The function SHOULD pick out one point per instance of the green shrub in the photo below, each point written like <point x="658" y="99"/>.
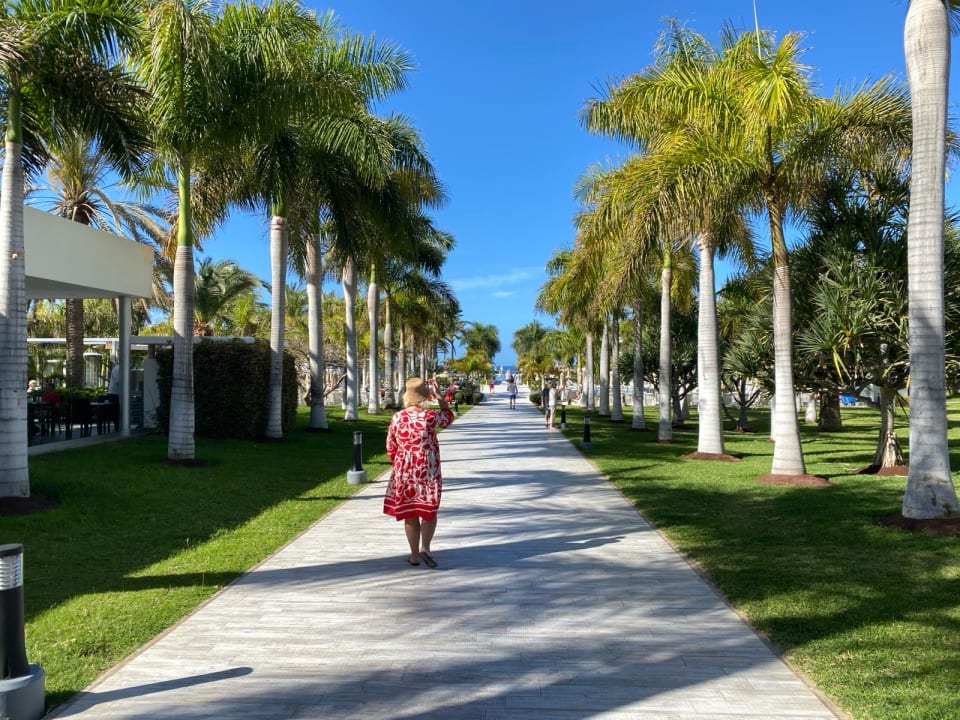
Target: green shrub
<point x="230" y="387"/>
<point x="535" y="397"/>
<point x="69" y="393"/>
<point x="477" y="398"/>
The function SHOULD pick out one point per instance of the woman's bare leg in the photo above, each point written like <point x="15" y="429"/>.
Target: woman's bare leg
<point x="427" y="528"/>
<point x="412" y="528"/>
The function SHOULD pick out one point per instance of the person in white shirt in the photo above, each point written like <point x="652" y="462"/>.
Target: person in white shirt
<point x="551" y="402"/>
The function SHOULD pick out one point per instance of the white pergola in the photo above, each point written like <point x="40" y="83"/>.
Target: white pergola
<point x="64" y="259"/>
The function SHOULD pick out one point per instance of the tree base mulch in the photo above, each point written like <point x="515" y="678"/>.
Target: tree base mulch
<point x="318" y="430"/>
<point x="945" y="526"/>
<point x="25" y="505"/>
<point x="720" y="457"/>
<point x="898" y="470"/>
<point x="795" y="480"/>
<point x="664" y="442"/>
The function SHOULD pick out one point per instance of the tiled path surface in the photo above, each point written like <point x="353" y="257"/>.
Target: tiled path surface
<point x="554" y="600"/>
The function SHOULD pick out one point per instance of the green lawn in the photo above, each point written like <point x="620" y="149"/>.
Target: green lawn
<point x="135" y="544"/>
<point x="871" y="615"/>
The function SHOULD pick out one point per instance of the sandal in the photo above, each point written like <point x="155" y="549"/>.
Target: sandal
<point x="412" y="563"/>
<point x="428" y="559"/>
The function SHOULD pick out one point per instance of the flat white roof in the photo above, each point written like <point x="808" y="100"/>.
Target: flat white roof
<point x="65" y="259"/>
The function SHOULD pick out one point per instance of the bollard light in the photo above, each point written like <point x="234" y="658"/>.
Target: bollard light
<point x="563" y="417"/>
<point x="357" y="475"/>
<point x="12" y="648"/>
<point x="586" y="433"/>
<point x="22" y="685"/>
<point x="357" y="450"/>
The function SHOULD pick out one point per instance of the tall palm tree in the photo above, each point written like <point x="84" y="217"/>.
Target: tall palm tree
<point x="926" y="37"/>
<point x="81" y="187"/>
<point x="313" y="73"/>
<point x="59" y="71"/>
<point x="754" y="124"/>
<point x="406" y="236"/>
<point x="698" y="208"/>
<point x="568" y="293"/>
<point x="182" y="63"/>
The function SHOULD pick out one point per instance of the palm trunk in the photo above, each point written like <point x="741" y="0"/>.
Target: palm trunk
<point x="603" y="406"/>
<point x="830" y="419"/>
<point x="926" y="37"/>
<point x="278" y="279"/>
<point x="616" y="412"/>
<point x="589" y="382"/>
<point x="888" y="453"/>
<point x="664" y="424"/>
<point x="710" y="411"/>
<point x="352" y="388"/>
<point x="14" y="472"/>
<point x="373" y="372"/>
<point x="318" y="412"/>
<point x="638" y="422"/>
<point x="401" y="367"/>
<point x="181" y="444"/>
<point x="787" y="454"/>
<point x="388" y="350"/>
<point x="74" y="336"/>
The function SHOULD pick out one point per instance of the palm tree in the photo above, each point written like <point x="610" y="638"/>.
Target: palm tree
<point x="313" y="73"/>
<point x="926" y="37"/>
<point x="80" y="188"/>
<point x="698" y="208"/>
<point x="568" y="293"/>
<point x="182" y="64"/>
<point x="219" y="285"/>
<point x="58" y="72"/>
<point x="482" y="338"/>
<point x="753" y="123"/>
<point x="628" y="223"/>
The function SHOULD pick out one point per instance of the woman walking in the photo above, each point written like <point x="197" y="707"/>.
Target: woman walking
<point x="413" y="492"/>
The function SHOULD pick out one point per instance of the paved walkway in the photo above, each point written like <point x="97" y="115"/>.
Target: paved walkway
<point x="554" y="600"/>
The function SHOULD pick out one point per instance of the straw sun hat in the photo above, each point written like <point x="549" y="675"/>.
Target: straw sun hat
<point x="416" y="392"/>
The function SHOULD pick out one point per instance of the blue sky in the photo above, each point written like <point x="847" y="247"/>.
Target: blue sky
<point x="496" y="91"/>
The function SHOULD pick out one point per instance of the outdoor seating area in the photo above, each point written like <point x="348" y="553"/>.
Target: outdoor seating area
<point x="49" y="422"/>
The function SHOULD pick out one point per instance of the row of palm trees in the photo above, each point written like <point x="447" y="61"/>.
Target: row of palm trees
<point x="729" y="132"/>
<point x="262" y="107"/>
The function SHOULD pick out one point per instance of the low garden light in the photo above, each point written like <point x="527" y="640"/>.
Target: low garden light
<point x="22" y="684"/>
<point x="357" y="475"/>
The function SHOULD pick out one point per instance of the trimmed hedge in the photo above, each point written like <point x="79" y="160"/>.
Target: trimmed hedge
<point x="230" y="385"/>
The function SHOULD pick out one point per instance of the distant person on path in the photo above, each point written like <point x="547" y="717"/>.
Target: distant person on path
<point x="512" y="392"/>
<point x="491" y="384"/>
<point x="413" y="492"/>
<point x="551" y="401"/>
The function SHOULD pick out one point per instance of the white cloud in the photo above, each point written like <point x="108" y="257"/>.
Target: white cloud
<point x="489" y="282"/>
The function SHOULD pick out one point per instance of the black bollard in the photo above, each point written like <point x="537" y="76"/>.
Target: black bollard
<point x="357" y="475"/>
<point x="563" y="417"/>
<point x="12" y="648"/>
<point x="456" y="406"/>
<point x="357" y="451"/>
<point x="586" y="433"/>
<point x="22" y="686"/>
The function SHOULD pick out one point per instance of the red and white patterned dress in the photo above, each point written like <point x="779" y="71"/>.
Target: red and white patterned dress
<point x="415" y="484"/>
